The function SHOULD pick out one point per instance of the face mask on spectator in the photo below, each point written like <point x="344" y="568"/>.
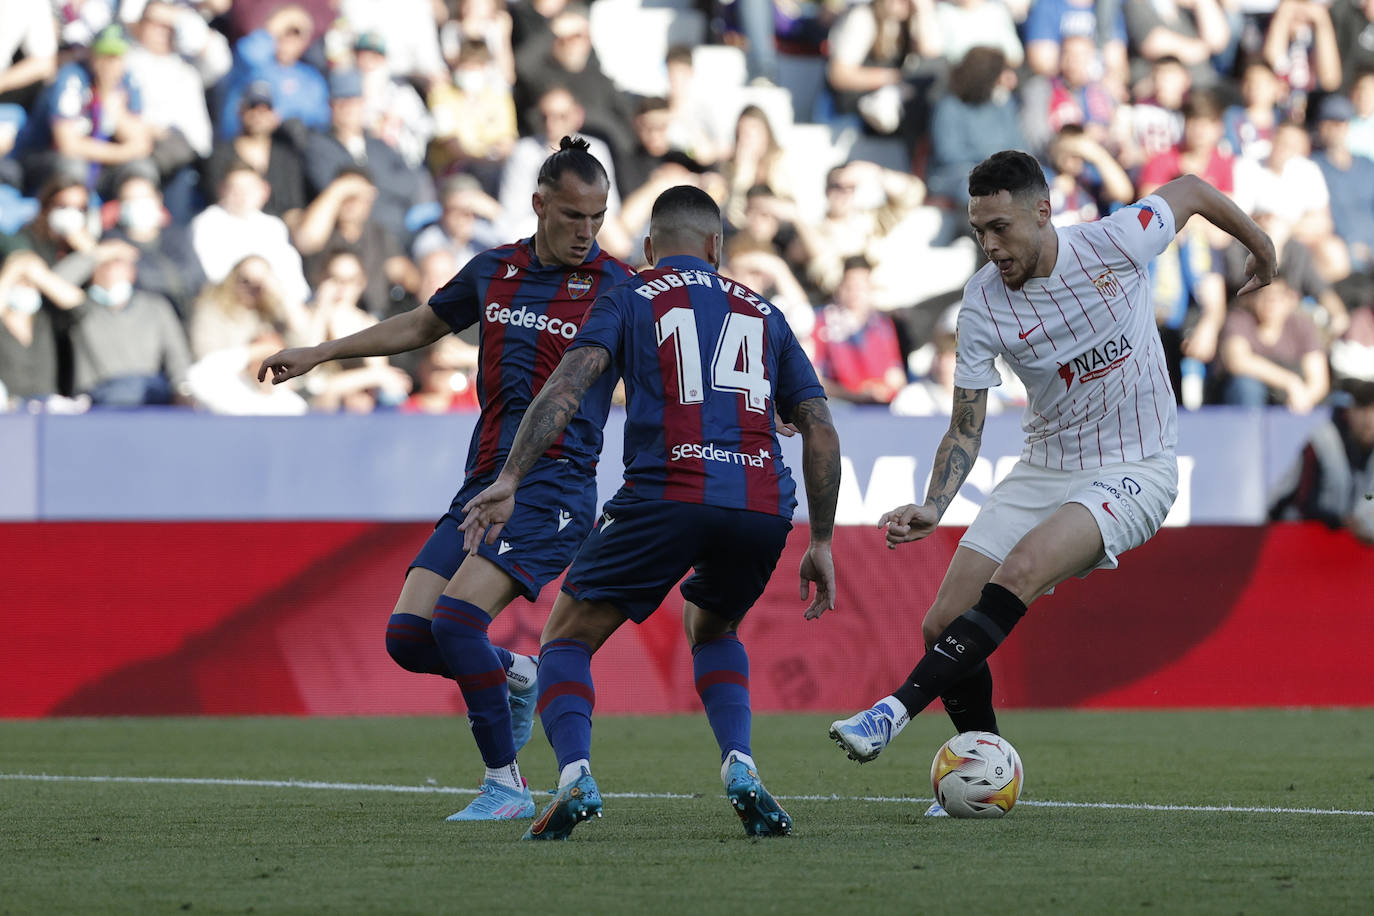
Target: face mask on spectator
<point x="65" y="220"/>
<point x="24" y="299"/>
<point x="469" y="80"/>
<point x="117" y="295"/>
<point x="140" y="213"/>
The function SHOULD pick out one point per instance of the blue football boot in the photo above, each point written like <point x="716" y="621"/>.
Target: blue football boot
<point x="757" y="810"/>
<point x="574" y="803"/>
<point x="495" y="802"/>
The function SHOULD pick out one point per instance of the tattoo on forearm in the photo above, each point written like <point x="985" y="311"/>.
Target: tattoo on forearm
<point x="820" y="464"/>
<point x="555" y="405"/>
<point x="954" y="458"/>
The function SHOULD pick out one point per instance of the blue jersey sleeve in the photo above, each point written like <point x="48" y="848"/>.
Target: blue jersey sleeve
<point x="796" y="378"/>
<point x="604" y="327"/>
<point x="457" y="301"/>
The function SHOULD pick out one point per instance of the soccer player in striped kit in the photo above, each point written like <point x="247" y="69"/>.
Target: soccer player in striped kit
<point x="705" y="363"/>
<point x="1070" y="311"/>
<point x="529" y="300"/>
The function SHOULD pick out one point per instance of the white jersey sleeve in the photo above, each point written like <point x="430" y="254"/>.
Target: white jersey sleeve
<point x="1140" y="232"/>
<point x="978" y="345"/>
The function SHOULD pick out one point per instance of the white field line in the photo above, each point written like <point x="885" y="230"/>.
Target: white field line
<point x="453" y="790"/>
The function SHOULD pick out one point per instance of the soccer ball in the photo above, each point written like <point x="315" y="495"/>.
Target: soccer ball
<point x="977" y="774"/>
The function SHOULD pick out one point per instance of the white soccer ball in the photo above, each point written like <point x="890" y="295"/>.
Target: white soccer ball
<point x="977" y="774"/>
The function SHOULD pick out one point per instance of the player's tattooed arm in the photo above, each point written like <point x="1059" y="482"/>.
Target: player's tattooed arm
<point x="954" y="458"/>
<point x="553" y="408"/>
<point x="820" y="464"/>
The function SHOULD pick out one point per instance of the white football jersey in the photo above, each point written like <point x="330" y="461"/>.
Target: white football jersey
<point x="1083" y="341"/>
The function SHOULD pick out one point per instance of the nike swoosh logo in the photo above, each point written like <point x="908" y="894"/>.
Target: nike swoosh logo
<point x="944" y="653"/>
<point x="511" y="270"/>
<point x="1024" y="334"/>
<point x="505" y="545"/>
<point x="1110" y="512"/>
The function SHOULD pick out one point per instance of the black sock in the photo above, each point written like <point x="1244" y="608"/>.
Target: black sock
<point x="963" y="646"/>
<point x="968" y="702"/>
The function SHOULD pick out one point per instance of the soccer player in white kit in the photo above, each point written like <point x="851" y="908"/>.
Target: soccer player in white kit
<point x="1070" y="311"/>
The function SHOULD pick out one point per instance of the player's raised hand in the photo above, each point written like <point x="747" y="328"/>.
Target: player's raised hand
<point x="818" y="567"/>
<point x="287" y="364"/>
<point x="487" y="513"/>
<point x="1259" y="271"/>
<point x="908" y="523"/>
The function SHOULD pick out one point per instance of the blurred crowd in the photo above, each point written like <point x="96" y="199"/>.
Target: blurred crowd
<point x="189" y="185"/>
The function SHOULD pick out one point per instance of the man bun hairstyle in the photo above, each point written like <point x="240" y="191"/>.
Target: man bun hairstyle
<point x="1009" y="170"/>
<point x="574" y="155"/>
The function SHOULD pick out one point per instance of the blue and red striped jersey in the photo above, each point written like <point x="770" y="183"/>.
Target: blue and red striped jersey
<point x="705" y="361"/>
<point x="529" y="313"/>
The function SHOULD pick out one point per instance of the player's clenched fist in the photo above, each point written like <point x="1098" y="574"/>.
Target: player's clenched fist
<point x="908" y="523"/>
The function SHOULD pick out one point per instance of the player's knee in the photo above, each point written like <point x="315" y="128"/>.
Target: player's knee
<point x="1020" y="573"/>
<point x="702" y="625"/>
<point x="411" y="646"/>
<point x="936" y="620"/>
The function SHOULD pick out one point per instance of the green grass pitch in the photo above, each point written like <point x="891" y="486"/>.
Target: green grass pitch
<point x="1234" y="815"/>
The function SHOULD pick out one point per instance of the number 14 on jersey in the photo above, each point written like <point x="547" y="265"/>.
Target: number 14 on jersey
<point x="738" y="365"/>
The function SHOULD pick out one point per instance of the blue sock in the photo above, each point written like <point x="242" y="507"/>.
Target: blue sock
<point x="721" y="670"/>
<point x="411" y="644"/>
<point x="460" y="629"/>
<point x="506" y="657"/>
<point x="566" y="697"/>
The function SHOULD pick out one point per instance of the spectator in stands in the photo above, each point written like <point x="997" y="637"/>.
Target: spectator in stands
<point x="857" y="354"/>
<point x="343" y="218"/>
<point x="932" y="393"/>
<point x="486" y="24"/>
<point x="354" y="386"/>
<point x="1352" y="206"/>
<point x="1298" y="269"/>
<point x="1086" y="183"/>
<point x="167" y="263"/>
<point x="1289" y="184"/>
<point x="1199" y="152"/>
<point x="28" y="28"/>
<point x="474" y="120"/>
<point x="466" y="224"/>
<point x="1333" y="477"/>
<point x="272" y="54"/>
<point x="880" y="63"/>
<point x="1250" y="126"/>
<point x="1353" y="21"/>
<point x="392" y="109"/>
<point x="691" y="114"/>
<point x="446" y="379"/>
<point x="62" y="224"/>
<point x="758" y="267"/>
<point x="570" y="62"/>
<point x="1189" y="294"/>
<point x="756" y="159"/>
<point x="407" y="31"/>
<point x="1076" y="97"/>
<point x="651" y="147"/>
<point x="90" y="115"/>
<point x="263" y="145"/>
<point x="967" y="24"/>
<point x="1361" y="137"/>
<point x="1049" y="23"/>
<point x="1193" y="32"/>
<point x="1272" y="353"/>
<point x="128" y="346"/>
<point x="1301" y="46"/>
<point x="80" y="21"/>
<point x="29" y="327"/>
<point x="1352" y="356"/>
<point x="1155" y="117"/>
<point x="348" y="144"/>
<point x="172" y="87"/>
<point x="235" y="226"/>
<point x="243" y="307"/>
<point x="770" y="221"/>
<point x="559" y="115"/>
<point x="974" y="120"/>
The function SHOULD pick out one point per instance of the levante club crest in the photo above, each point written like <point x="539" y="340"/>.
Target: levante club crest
<point x="578" y="284"/>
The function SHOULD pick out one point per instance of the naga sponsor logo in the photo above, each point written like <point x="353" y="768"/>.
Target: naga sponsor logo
<point x="1107" y="284"/>
<point x="1097" y="362"/>
<point x="524" y="318"/>
<point x="685" y="450"/>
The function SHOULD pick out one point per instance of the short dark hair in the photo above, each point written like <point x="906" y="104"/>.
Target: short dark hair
<point x="651" y="103"/>
<point x="1202" y="103"/>
<point x="574" y="155"/>
<point x="679" y="54"/>
<point x="1009" y="170"/>
<point x="682" y="208"/>
<point x="856" y="262"/>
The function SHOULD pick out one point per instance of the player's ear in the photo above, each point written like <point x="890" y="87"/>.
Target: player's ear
<point x="713" y="249"/>
<point x="649" y="250"/>
<point x="1043" y="211"/>
<point x="537" y="202"/>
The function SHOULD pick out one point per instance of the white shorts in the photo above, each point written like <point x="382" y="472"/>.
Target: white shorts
<point x="1129" y="501"/>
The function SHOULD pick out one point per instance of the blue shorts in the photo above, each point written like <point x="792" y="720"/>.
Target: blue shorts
<point x="641" y="547"/>
<point x="554" y="510"/>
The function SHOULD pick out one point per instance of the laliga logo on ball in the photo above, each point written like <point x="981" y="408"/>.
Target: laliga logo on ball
<point x="977" y="774"/>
